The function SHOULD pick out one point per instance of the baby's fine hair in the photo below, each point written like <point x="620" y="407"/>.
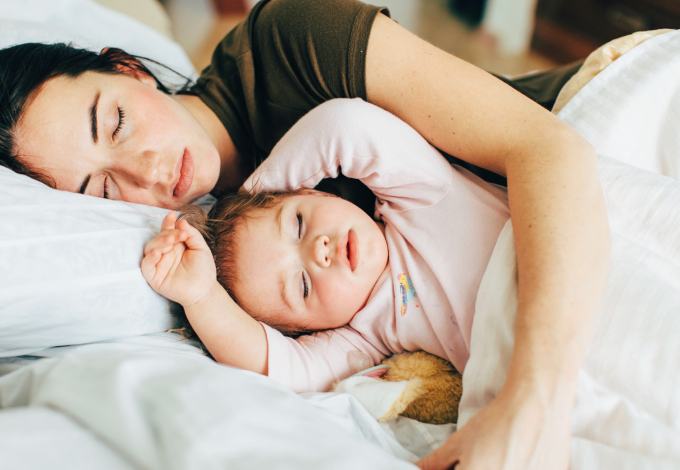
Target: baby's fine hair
<point x="219" y="229"/>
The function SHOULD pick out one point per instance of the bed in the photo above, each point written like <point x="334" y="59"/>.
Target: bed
<point x="90" y="377"/>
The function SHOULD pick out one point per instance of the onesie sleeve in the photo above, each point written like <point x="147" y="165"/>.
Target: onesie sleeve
<point x="312" y="363"/>
<point x="362" y="141"/>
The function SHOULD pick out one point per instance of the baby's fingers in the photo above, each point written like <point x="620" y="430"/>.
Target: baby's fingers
<point x="165" y="267"/>
<point x="164" y="241"/>
<point x="169" y="221"/>
<point x="194" y="240"/>
<point x="149" y="266"/>
<point x="157" y="266"/>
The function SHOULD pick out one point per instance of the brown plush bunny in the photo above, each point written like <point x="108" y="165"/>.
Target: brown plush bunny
<point x="416" y="385"/>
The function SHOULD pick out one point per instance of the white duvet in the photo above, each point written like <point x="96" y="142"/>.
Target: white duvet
<point x="155" y="402"/>
<point x="627" y="412"/>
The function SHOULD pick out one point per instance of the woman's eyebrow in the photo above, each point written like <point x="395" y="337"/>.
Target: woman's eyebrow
<point x="93" y="117"/>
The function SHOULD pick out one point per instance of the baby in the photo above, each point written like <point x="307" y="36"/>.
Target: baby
<point x="290" y="261"/>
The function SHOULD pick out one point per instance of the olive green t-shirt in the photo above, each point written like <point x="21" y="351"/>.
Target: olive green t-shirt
<point x="289" y="56"/>
<point x="286" y="58"/>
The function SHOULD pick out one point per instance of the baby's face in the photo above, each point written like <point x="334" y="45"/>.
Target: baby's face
<point x="310" y="262"/>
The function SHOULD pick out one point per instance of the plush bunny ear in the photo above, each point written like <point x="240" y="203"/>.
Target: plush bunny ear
<point x="383" y="400"/>
<point x="374" y="372"/>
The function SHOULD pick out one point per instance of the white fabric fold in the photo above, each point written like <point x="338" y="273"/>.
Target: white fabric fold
<point x="375" y="395"/>
<point x="631" y="110"/>
<point x="627" y="412"/>
<point x="161" y="405"/>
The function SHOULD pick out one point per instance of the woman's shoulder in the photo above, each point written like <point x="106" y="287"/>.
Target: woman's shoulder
<point x="284" y="59"/>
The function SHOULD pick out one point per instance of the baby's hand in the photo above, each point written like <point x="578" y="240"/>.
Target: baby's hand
<point x="178" y="263"/>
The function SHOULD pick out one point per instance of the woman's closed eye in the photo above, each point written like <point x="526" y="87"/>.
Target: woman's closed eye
<point x="121" y="121"/>
<point x="107" y="189"/>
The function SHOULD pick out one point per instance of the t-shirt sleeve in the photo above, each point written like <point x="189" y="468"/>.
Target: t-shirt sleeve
<point x="361" y="141"/>
<point x="286" y="58"/>
<point x="312" y="363"/>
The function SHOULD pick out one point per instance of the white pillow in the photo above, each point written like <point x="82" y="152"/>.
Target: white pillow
<point x="91" y="26"/>
<point x="69" y="264"/>
<point x="69" y="268"/>
<point x="631" y="110"/>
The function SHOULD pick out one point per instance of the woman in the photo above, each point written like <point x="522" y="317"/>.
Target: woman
<point x="117" y="135"/>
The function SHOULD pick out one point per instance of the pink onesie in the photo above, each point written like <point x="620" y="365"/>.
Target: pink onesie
<point x="441" y="225"/>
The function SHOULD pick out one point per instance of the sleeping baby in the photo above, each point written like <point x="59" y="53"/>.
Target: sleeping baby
<point x="291" y="280"/>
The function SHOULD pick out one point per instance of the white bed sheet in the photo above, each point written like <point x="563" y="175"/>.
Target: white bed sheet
<point x="156" y="402"/>
<point x="36" y="438"/>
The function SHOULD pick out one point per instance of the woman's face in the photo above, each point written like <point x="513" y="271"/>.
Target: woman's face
<point x="117" y="136"/>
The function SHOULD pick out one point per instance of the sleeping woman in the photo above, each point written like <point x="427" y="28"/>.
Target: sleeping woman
<point x="101" y="125"/>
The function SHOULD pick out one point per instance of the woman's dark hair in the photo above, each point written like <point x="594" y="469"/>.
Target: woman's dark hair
<point x="25" y="68"/>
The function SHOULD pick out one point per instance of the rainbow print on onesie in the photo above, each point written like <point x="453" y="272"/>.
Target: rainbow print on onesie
<point x="407" y="291"/>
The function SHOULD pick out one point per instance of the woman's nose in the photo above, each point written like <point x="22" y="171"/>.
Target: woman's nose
<point x="321" y="251"/>
<point x="145" y="170"/>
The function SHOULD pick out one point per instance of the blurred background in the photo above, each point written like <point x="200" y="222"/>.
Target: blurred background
<point x="509" y="37"/>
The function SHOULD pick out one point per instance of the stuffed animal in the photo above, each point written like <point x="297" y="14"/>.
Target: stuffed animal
<point x="416" y="385"/>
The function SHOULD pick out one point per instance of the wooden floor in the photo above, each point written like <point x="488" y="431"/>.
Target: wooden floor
<point x="437" y="26"/>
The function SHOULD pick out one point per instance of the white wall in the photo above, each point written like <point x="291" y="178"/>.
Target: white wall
<point x="511" y="22"/>
<point x="192" y="22"/>
<point x="404" y="12"/>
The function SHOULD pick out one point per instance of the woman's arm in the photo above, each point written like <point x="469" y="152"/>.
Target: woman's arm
<point x="561" y="232"/>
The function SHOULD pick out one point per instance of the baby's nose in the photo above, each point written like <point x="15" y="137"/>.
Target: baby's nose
<point x="321" y="251"/>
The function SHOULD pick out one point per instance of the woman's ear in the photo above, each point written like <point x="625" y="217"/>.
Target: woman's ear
<point x="129" y="65"/>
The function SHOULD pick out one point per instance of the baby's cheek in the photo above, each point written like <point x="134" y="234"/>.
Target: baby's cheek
<point x="357" y="294"/>
<point x="342" y="301"/>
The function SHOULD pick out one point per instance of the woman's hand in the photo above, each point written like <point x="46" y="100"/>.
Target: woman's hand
<point x="178" y="263"/>
<point x="508" y="434"/>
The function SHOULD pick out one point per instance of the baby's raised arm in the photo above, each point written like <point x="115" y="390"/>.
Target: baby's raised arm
<point x="179" y="265"/>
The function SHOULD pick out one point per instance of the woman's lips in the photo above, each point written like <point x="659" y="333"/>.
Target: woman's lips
<point x="186" y="175"/>
<point x="353" y="250"/>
